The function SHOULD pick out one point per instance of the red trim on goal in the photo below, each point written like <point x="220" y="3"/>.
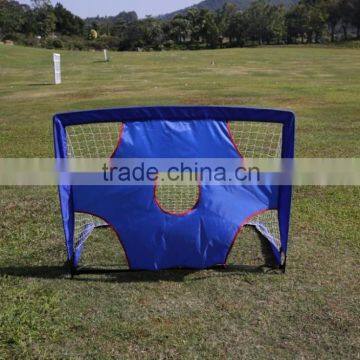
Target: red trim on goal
<point x="232" y="138"/>
<point x="234" y="144"/>
<point x="121" y="132"/>
<point x="245" y="222"/>
<point x="112" y="228"/>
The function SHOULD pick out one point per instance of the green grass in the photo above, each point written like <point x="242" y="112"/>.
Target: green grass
<point x="311" y="312"/>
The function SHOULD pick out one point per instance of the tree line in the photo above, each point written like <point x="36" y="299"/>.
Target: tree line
<point x="309" y="21"/>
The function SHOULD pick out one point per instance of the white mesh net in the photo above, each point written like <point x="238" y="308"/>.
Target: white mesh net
<point x="179" y="196"/>
<point x="257" y="139"/>
<point x="260" y="140"/>
<point x="92" y="140"/>
<point x="253" y="140"/>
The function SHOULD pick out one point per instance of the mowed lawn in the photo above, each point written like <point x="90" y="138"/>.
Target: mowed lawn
<point x="311" y="311"/>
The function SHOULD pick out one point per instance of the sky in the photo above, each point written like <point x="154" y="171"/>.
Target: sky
<point x="90" y="8"/>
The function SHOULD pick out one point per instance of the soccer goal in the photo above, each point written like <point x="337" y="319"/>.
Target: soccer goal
<point x="162" y="226"/>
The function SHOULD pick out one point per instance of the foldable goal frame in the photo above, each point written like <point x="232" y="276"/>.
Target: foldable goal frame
<point x="71" y="196"/>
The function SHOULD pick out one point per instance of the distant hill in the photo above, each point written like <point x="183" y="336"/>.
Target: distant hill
<point x="218" y="4"/>
<point x="125" y="16"/>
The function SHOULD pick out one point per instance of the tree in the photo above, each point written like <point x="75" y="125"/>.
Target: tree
<point x="133" y="36"/>
<point x="355" y="18"/>
<point x="265" y="22"/>
<point x="13" y="18"/>
<point x="66" y="22"/>
<point x="333" y="11"/>
<point x="195" y="24"/>
<point x="255" y="17"/>
<point x="152" y="33"/>
<point x="315" y="15"/>
<point x="179" y="30"/>
<point x="209" y="30"/>
<point x="44" y="16"/>
<point x="236" y="29"/>
<point x="119" y="27"/>
<point x="275" y="24"/>
<point x="127" y="17"/>
<point x="223" y="18"/>
<point x="203" y="27"/>
<point x="346" y="16"/>
<point x="295" y="22"/>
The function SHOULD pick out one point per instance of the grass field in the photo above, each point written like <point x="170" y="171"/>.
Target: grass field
<point x="312" y="311"/>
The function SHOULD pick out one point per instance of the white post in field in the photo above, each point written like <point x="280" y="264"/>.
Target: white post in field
<point x="106" y="56"/>
<point x="57" y="68"/>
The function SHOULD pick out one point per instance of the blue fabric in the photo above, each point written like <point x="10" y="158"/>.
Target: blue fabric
<point x="153" y="239"/>
<point x="181" y="139"/>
